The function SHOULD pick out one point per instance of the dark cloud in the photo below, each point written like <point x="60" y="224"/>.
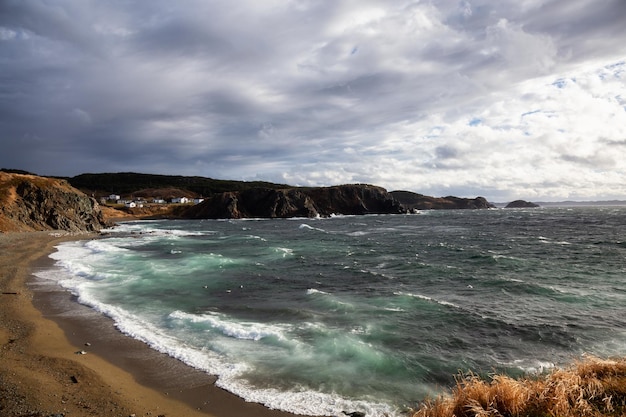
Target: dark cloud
<point x="317" y="92"/>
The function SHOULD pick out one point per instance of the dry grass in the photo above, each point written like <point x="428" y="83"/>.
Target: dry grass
<point x="590" y="387"/>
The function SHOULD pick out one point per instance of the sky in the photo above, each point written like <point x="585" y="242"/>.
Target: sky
<point x="507" y="99"/>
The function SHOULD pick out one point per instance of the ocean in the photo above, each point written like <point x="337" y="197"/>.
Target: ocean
<point x="361" y="313"/>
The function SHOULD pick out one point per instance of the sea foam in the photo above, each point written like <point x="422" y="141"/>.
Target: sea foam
<point x="238" y="329"/>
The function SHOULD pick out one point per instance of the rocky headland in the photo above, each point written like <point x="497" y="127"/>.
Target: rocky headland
<point x="415" y="201"/>
<point x="353" y="199"/>
<point x="34" y="203"/>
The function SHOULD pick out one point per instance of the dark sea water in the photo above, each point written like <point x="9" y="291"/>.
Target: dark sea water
<point x="369" y="313"/>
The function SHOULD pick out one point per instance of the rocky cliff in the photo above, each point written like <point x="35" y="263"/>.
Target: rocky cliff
<point x="31" y="203"/>
<point x="414" y="201"/>
<point x="297" y="202"/>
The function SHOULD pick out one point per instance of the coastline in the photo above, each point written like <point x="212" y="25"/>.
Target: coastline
<point x="41" y="329"/>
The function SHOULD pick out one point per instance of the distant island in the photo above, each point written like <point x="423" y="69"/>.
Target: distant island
<point x="521" y="204"/>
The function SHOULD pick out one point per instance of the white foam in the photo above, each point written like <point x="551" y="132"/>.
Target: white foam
<point x="305" y="402"/>
<point x="299" y="400"/>
<point x="358" y="233"/>
<point x="308" y="227"/>
<point x="285" y="251"/>
<point x="237" y="330"/>
<point x="103" y="246"/>
<point x="146" y="227"/>
<point x="331" y="300"/>
<point x="257" y="237"/>
<point x="533" y="367"/>
<point x="394" y="309"/>
<point x="72" y="257"/>
<point x="311" y="291"/>
<point x="408" y="294"/>
<point x="426" y="298"/>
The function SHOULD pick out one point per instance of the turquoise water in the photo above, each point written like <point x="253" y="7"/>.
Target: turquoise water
<point x="369" y="313"/>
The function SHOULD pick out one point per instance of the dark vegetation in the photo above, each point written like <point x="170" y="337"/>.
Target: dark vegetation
<point x="125" y="183"/>
<point x="16" y="171"/>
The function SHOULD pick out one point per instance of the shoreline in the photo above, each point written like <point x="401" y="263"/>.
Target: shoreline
<point x="42" y="326"/>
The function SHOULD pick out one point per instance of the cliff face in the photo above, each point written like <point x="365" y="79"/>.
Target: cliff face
<point x="32" y="203"/>
<point x="296" y="202"/>
<point x="254" y="203"/>
<point x="354" y="199"/>
<point x="414" y="201"/>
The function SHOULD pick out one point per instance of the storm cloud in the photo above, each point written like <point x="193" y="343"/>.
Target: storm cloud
<point x="509" y="99"/>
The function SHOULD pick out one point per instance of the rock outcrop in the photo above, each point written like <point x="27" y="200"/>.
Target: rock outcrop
<point x="413" y="201"/>
<point x="521" y="204"/>
<point x="297" y="202"/>
<point x="33" y="203"/>
<point x="354" y="199"/>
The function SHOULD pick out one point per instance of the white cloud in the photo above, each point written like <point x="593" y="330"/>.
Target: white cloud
<point x="553" y="134"/>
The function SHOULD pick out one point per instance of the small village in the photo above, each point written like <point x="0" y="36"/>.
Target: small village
<point x="141" y="202"/>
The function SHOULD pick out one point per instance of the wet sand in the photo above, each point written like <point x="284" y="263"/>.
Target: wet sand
<point x="42" y="328"/>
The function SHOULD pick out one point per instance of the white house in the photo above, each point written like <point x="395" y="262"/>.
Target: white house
<point x="180" y="200"/>
<point x="198" y="200"/>
<point x="114" y="197"/>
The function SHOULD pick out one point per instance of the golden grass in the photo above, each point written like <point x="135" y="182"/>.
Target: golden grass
<point x="591" y="387"/>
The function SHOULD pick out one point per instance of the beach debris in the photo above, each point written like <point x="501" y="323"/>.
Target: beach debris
<point x="87" y="344"/>
<point x="74" y="379"/>
<point x="10" y="293"/>
<point x="354" y="414"/>
<point x="81" y="352"/>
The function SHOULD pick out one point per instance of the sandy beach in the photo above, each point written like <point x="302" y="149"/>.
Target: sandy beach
<point x="41" y="374"/>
